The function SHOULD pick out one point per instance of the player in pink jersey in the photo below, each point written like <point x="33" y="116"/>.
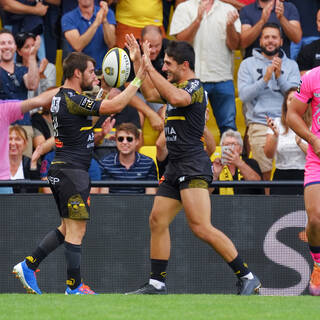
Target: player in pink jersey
<point x="309" y="92"/>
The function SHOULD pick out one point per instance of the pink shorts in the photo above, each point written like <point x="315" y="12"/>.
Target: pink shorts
<point x="312" y="168"/>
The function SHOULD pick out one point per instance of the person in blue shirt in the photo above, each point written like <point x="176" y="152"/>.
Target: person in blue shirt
<point x="90" y="29"/>
<point x="127" y="164"/>
<point x="255" y="15"/>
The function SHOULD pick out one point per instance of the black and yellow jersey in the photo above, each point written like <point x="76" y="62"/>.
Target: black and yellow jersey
<point x="184" y="126"/>
<point x="72" y="123"/>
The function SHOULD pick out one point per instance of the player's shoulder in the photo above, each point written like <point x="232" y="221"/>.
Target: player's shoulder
<point x="312" y="74"/>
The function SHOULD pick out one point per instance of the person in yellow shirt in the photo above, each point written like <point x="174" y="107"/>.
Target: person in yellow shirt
<point x="133" y="15"/>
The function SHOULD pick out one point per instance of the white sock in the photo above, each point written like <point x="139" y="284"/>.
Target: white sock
<point x="157" y="284"/>
<point x="248" y="276"/>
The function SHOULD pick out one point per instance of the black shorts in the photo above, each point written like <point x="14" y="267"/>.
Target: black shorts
<point x="171" y="188"/>
<point x="71" y="190"/>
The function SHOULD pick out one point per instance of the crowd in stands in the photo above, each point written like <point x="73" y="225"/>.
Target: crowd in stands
<point x="277" y="40"/>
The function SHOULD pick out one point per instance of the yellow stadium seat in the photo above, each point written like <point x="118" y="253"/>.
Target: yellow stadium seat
<point x="150" y="136"/>
<point x="216" y="154"/>
<point x="237" y="58"/>
<point x="240" y="120"/>
<point x="150" y="151"/>
<point x="59" y="71"/>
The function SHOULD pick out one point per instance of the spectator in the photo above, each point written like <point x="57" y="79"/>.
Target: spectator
<point x="309" y="56"/>
<point x="42" y="125"/>
<point x="127" y="164"/>
<point x="288" y="148"/>
<point x="90" y="29"/>
<point x="263" y="80"/>
<point x="21" y="167"/>
<point x="308" y="25"/>
<point x="27" y="16"/>
<point x="133" y="15"/>
<point x="11" y="111"/>
<point x="158" y="45"/>
<point x="254" y="16"/>
<point x="233" y="166"/>
<point x="16" y="81"/>
<point x="47" y="71"/>
<point x="213" y="27"/>
<point x="108" y="143"/>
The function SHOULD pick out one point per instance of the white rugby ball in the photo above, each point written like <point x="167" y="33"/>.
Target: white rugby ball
<point x="116" y="67"/>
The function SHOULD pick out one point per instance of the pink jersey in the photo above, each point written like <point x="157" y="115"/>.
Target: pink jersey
<point x="10" y="111"/>
<point x="309" y="91"/>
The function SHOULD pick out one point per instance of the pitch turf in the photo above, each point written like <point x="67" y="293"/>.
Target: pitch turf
<point x="186" y="307"/>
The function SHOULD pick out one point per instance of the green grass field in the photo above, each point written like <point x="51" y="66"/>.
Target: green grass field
<point x="118" y="306"/>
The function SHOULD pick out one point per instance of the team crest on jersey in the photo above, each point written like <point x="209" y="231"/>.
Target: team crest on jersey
<point x="86" y="103"/>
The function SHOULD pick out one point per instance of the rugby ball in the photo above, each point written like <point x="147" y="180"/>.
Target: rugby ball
<point x="116" y="67"/>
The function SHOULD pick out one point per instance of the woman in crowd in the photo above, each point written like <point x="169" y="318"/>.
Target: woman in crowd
<point x="21" y="167"/>
<point x="47" y="70"/>
<point x="288" y="149"/>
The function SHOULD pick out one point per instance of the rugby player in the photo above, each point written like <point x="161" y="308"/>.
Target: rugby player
<point x="188" y="172"/>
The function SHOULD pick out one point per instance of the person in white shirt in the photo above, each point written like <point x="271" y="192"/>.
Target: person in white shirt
<point x="288" y="149"/>
<point x="213" y="28"/>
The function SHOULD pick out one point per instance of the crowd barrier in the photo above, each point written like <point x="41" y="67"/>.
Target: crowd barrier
<point x="267" y="230"/>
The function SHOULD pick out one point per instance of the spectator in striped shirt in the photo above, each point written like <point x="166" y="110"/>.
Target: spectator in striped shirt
<point x="126" y="163"/>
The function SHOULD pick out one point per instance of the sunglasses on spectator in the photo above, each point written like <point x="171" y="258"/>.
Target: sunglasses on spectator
<point x="121" y="139"/>
<point x="24" y="35"/>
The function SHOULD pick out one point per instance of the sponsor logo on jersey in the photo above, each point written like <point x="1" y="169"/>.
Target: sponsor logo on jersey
<point x="87" y="103"/>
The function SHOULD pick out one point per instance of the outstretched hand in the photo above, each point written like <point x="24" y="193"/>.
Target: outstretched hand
<point x="133" y="47"/>
<point x="108" y="125"/>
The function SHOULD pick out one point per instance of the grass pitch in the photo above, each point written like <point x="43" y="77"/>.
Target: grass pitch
<point x="186" y="307"/>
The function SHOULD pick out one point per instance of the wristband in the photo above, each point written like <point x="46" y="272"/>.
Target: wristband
<point x="136" y="82"/>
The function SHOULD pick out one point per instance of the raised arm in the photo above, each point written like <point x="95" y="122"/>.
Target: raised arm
<point x="32" y="77"/>
<point x="79" y="42"/>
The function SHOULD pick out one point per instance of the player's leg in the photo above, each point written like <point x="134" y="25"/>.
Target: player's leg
<point x="163" y="212"/>
<point x="197" y="205"/>
<point x="312" y="204"/>
<point x="26" y="270"/>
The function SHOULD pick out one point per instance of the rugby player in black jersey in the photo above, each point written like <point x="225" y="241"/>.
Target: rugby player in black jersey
<point x="188" y="172"/>
<point x="68" y="174"/>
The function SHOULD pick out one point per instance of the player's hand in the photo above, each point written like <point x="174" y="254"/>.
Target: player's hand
<point x="133" y="47"/>
<point x="232" y="17"/>
<point x="279" y="9"/>
<point x="267" y="11"/>
<point x="146" y="55"/>
<point x="37" y="153"/>
<point x="156" y="121"/>
<point x="277" y="62"/>
<point x="141" y="74"/>
<point x="272" y="126"/>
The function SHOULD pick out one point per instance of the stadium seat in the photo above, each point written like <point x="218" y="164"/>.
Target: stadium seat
<point x="150" y="151"/>
<point x="240" y="120"/>
<point x="216" y="154"/>
<point x="150" y="136"/>
<point x="59" y="72"/>
<point x="237" y="58"/>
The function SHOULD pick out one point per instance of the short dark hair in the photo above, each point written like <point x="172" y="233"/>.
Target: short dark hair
<point x="181" y="51"/>
<point x="75" y="60"/>
<point x="128" y="127"/>
<point x="272" y="25"/>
